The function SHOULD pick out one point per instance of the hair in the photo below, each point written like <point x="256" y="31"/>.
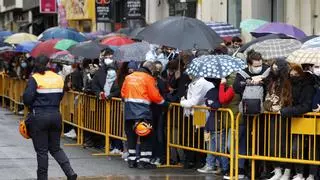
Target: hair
<point x="149" y="65"/>
<point x="280" y="83"/>
<point x="40" y="65"/>
<point x="107" y="51"/>
<point x="298" y="69"/>
<point x="158" y="62"/>
<point x="252" y="55"/>
<point x="173" y="64"/>
<point x="220" y="50"/>
<point x="236" y="39"/>
<point x="122" y="73"/>
<point x="202" y="52"/>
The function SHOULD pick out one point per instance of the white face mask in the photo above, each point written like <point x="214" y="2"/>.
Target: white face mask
<point x="108" y="61"/>
<point x="255" y="70"/>
<point x="316" y="71"/>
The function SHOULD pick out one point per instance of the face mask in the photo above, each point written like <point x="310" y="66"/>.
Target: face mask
<point x="23" y="64"/>
<point x="316" y="71"/>
<point x="256" y="70"/>
<point x="108" y="61"/>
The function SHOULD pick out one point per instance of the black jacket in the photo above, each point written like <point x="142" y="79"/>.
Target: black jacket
<point x="182" y="86"/>
<point x="76" y="79"/>
<point x="240" y="82"/>
<point x="302" y="96"/>
<point x="98" y="81"/>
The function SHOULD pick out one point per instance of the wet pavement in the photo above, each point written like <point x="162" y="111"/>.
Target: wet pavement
<point x="18" y="160"/>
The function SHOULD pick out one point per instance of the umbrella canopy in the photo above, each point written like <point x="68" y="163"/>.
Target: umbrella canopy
<point x="5" y="34"/>
<point x="224" y="29"/>
<point x="26" y="47"/>
<point x="88" y="49"/>
<point x="45" y="48"/>
<point x="305" y="56"/>
<point x="181" y="32"/>
<point x="95" y="35"/>
<point x="65" y="44"/>
<point x="214" y="66"/>
<point x="307" y="38"/>
<point x="313" y="43"/>
<point x="65" y="57"/>
<point x="275" y="48"/>
<point x="132" y="52"/>
<point x="279" y="28"/>
<point x="135" y="32"/>
<point x="61" y="33"/>
<point x="20" y="38"/>
<point x="249" y="25"/>
<point x="117" y="41"/>
<point x="260" y="39"/>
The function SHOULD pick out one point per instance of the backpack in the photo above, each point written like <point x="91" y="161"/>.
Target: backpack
<point x="252" y="98"/>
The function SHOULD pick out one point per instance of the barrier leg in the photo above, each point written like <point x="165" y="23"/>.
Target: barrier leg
<point x="107" y="138"/>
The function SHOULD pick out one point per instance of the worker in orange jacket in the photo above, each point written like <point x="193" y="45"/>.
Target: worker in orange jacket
<point x="139" y="90"/>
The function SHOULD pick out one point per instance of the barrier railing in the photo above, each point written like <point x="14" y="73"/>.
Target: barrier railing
<point x="269" y="137"/>
<point x="266" y="137"/>
<point x="186" y="132"/>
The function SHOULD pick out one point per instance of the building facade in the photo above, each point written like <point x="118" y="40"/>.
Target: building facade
<point x="24" y="16"/>
<point x="301" y="13"/>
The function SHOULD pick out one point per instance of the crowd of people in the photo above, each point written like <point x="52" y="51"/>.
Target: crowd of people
<point x="288" y="89"/>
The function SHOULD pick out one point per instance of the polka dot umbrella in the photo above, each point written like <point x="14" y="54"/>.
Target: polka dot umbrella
<point x="215" y="66"/>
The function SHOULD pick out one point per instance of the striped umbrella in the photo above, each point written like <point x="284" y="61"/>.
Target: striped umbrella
<point x="275" y="48"/>
<point x="305" y="56"/>
<point x="224" y="29"/>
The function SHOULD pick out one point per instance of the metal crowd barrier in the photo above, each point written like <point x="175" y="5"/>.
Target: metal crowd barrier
<point x="269" y="137"/>
<point x="187" y="132"/>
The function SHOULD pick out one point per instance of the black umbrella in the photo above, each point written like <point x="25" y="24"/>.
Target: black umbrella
<point x="135" y="32"/>
<point x="270" y="36"/>
<point x="181" y="32"/>
<point x="88" y="49"/>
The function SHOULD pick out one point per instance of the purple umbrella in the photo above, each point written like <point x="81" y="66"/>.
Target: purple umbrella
<point x="279" y="28"/>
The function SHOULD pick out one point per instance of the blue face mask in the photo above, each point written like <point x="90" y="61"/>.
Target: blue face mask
<point x="23" y="65"/>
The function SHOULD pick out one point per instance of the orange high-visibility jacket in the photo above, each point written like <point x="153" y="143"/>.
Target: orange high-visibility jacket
<point x="139" y="90"/>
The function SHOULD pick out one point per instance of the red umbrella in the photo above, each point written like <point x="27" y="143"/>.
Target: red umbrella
<point x="45" y="48"/>
<point x="117" y="41"/>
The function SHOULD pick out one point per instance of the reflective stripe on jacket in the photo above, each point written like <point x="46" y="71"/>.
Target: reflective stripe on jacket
<point x="139" y="90"/>
<point x="44" y="90"/>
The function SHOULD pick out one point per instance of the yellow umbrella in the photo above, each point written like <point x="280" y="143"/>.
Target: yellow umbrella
<point x="20" y="38"/>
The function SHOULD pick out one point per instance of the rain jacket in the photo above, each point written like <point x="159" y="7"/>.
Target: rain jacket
<point x="139" y="90"/>
<point x="44" y="91"/>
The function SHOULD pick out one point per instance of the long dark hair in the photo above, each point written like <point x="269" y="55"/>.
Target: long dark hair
<point x="40" y="64"/>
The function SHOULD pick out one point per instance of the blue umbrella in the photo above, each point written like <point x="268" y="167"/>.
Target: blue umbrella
<point x="61" y="33"/>
<point x="26" y="47"/>
<point x="4" y="34"/>
<point x="224" y="29"/>
<point x="215" y="66"/>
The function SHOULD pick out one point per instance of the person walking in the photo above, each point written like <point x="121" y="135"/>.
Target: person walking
<point x="42" y="95"/>
<point x="139" y="90"/>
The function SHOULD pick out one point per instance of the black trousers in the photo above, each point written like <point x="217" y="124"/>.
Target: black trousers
<point x="145" y="143"/>
<point x="45" y="130"/>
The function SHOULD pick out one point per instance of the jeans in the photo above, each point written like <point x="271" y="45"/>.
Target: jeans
<point x="242" y="143"/>
<point x="215" y="147"/>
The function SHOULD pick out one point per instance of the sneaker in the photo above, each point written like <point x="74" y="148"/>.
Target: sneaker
<point x="286" y="175"/>
<point x="310" y="177"/>
<point x="209" y="170"/>
<point x="298" y="177"/>
<point x="277" y="174"/>
<point x="115" y="151"/>
<point x="155" y="161"/>
<point x="71" y="134"/>
<point x="145" y="165"/>
<point x="226" y="174"/>
<point x="125" y="155"/>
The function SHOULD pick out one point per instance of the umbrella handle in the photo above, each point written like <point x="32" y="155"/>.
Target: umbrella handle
<point x="235" y="53"/>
